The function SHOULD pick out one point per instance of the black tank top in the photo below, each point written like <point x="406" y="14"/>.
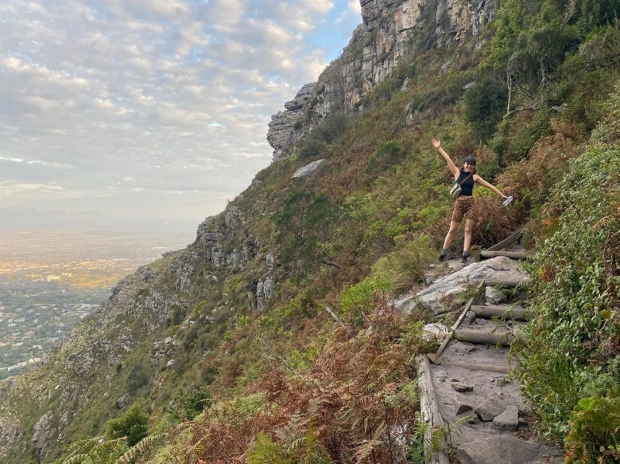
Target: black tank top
<point x="468" y="186"/>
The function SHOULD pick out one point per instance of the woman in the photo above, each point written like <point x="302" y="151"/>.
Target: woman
<point x="464" y="207"/>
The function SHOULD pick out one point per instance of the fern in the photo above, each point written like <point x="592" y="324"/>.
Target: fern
<point x="440" y="438"/>
<point x="139" y="448"/>
<point x="595" y="431"/>
<point x="94" y="450"/>
<point x="79" y="459"/>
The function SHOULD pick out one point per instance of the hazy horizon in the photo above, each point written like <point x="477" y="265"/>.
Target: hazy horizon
<point x="32" y="219"/>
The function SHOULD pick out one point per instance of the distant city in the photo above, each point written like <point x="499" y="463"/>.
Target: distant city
<point x="49" y="281"/>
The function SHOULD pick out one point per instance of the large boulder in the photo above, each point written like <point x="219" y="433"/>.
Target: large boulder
<point x="437" y="296"/>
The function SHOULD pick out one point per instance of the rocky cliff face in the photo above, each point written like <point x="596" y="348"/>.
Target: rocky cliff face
<point x="392" y="31"/>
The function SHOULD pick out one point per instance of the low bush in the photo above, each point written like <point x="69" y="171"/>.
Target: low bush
<point x="388" y="153"/>
<point x="595" y="430"/>
<point x="406" y="265"/>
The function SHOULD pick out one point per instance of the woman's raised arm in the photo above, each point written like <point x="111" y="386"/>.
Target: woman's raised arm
<point x="455" y="171"/>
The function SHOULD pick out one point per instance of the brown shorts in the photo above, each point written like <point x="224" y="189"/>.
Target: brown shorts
<point x="464" y="209"/>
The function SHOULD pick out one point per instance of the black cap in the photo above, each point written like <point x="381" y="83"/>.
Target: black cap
<point x="470" y="160"/>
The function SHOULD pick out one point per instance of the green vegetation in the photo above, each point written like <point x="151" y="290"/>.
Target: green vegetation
<point x="131" y="425"/>
<point x="570" y="350"/>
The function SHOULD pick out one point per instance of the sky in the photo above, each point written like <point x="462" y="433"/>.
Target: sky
<point x="148" y="114"/>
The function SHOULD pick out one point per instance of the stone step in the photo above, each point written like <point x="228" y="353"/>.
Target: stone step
<point x="501" y="311"/>
<point x="483" y="337"/>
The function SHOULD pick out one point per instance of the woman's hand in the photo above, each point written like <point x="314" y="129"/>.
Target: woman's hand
<point x="455" y="171"/>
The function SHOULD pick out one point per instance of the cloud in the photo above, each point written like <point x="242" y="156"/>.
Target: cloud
<point x="224" y="14"/>
<point x="165" y="8"/>
<point x="322" y="6"/>
<point x="159" y="95"/>
<point x="355" y="6"/>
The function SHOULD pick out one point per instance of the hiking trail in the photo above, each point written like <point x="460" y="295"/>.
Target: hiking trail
<point x="465" y="387"/>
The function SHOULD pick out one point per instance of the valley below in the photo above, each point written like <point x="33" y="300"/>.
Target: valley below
<point x="50" y="280"/>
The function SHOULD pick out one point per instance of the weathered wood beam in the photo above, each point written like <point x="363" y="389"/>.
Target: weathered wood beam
<point x="335" y="318"/>
<point x="478" y="367"/>
<point x="446" y="340"/>
<point x="507" y="242"/>
<point x="429" y="406"/>
<point x="481" y="337"/>
<point x="509" y="254"/>
<point x="495" y="281"/>
<point x="488" y="312"/>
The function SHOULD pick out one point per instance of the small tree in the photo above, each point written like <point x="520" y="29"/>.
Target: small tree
<point x="484" y="106"/>
<point x="305" y="225"/>
<point x="131" y="424"/>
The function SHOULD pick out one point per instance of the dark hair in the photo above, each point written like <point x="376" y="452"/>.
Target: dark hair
<point x="470" y="160"/>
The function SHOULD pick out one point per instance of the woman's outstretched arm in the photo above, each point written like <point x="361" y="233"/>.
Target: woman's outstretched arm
<point x="455" y="171"/>
<point x="491" y="187"/>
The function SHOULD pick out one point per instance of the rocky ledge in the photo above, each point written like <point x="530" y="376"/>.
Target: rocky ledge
<point x="286" y="127"/>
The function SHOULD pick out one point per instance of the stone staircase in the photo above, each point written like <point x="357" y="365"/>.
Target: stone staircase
<point x="465" y="387"/>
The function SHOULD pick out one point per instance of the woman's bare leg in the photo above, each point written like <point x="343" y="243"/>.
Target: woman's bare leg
<point x="454" y="226"/>
<point x="469" y="227"/>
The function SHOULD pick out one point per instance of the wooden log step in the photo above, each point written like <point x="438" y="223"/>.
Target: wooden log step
<point x="485" y="254"/>
<point x="507" y="242"/>
<point x="501" y="369"/>
<point x="507" y="312"/>
<point x="481" y="337"/>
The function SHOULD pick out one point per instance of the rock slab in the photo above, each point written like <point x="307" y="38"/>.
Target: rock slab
<point x="454" y="285"/>
<point x="503" y="449"/>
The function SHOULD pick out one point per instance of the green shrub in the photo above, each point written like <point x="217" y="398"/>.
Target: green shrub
<point x="568" y="350"/>
<point x="138" y="377"/>
<point x="485" y="103"/>
<point x="188" y="405"/>
<point x="360" y="300"/>
<point x="177" y="316"/>
<point x="132" y="424"/>
<point x="330" y="128"/>
<point x="305" y="225"/>
<point x="312" y="148"/>
<point x="406" y="265"/>
<point x="388" y="153"/>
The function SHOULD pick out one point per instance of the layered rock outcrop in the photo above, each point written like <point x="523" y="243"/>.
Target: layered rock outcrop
<point x="286" y="127"/>
<point x="392" y="31"/>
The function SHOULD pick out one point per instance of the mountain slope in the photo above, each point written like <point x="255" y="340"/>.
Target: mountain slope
<point x="236" y="321"/>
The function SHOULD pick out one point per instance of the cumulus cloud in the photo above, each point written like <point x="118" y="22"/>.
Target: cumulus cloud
<point x="322" y="6"/>
<point x="355" y="6"/>
<point x="107" y="105"/>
